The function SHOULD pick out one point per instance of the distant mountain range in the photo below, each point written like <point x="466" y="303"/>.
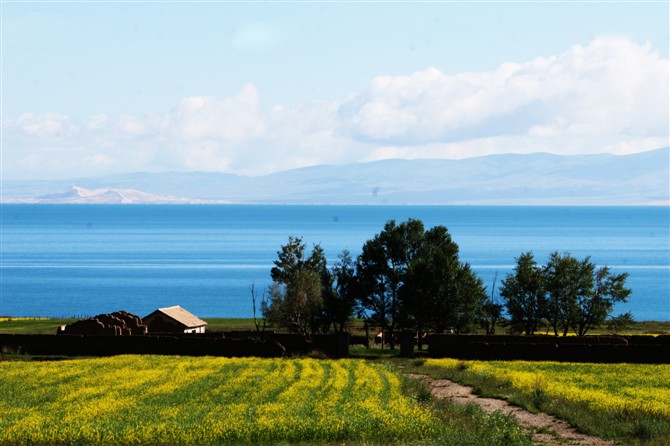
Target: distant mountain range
<point x="533" y="179"/>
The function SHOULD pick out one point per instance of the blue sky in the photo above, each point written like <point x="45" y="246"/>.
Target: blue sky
<point x="92" y="88"/>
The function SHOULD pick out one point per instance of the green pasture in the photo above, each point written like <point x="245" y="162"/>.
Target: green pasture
<point x="11" y="325"/>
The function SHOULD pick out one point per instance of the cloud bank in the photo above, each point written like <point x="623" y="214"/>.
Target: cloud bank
<point x="608" y="96"/>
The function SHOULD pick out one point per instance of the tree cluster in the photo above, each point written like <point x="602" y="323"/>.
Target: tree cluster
<point x="405" y="277"/>
<point x="409" y="277"/>
<point x="565" y="294"/>
<point x="305" y="296"/>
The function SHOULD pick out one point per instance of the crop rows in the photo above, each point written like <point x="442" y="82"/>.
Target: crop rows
<point x="186" y="400"/>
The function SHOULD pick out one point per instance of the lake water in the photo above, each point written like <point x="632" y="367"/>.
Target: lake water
<point x="65" y="260"/>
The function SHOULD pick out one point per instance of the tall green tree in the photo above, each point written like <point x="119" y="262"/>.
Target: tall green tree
<point x="411" y="277"/>
<point x="292" y="258"/>
<point x="596" y="306"/>
<point x="492" y="311"/>
<point x="298" y="304"/>
<point x="300" y="285"/>
<point x="340" y="304"/>
<point x="381" y="269"/>
<point x="567" y="280"/>
<point x="439" y="292"/>
<point x="524" y="294"/>
<point x="467" y="301"/>
<point x="580" y="296"/>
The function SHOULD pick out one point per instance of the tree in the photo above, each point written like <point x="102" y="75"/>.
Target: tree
<point x="567" y="282"/>
<point x="291" y="258"/>
<point x="411" y="277"/>
<point x="262" y="306"/>
<point x="595" y="307"/>
<point x="341" y="303"/>
<point x="525" y="295"/>
<point x="417" y="297"/>
<point x="617" y="324"/>
<point x="299" y="285"/>
<point x="381" y="270"/>
<point x="492" y="311"/>
<point x="468" y="299"/>
<point x="297" y="305"/>
<point x="439" y="291"/>
<point x="581" y="297"/>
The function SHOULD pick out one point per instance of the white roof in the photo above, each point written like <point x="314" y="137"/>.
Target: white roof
<point x="182" y="316"/>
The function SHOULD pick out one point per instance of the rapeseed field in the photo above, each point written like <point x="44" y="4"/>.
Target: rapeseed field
<point x="629" y="403"/>
<point x="205" y="400"/>
<point x="636" y="388"/>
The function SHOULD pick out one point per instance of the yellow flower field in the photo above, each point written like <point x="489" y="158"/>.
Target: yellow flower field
<point x="189" y="400"/>
<point x="614" y="388"/>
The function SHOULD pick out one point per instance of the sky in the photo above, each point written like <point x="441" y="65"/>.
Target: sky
<point x="97" y="88"/>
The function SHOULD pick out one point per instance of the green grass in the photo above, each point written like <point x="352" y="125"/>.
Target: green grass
<point x="615" y="401"/>
<point x="647" y="328"/>
<point x="228" y="324"/>
<point x="637" y="328"/>
<point x="374" y="352"/>
<point x="32" y="326"/>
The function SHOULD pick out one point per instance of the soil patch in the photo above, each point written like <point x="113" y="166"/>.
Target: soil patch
<point x="545" y="429"/>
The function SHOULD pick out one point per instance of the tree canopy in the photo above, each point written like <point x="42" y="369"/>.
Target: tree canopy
<point x="299" y="285"/>
<point x="525" y="295"/>
<point x="440" y="292"/>
<point x="412" y="278"/>
<point x="382" y="269"/>
<point x="570" y="294"/>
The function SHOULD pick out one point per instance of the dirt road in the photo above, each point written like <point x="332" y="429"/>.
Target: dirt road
<point x="545" y="429"/>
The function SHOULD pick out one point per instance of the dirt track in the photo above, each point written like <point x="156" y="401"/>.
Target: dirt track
<point x="546" y="429"/>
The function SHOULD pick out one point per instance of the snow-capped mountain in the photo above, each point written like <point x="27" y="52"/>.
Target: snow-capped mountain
<point x="81" y="195"/>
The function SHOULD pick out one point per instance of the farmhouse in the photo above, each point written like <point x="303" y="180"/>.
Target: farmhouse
<point x="173" y="320"/>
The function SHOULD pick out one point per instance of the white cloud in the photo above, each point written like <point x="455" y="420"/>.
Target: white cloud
<point x="47" y="126"/>
<point x="611" y="86"/>
<point x="132" y="126"/>
<point x="608" y="96"/>
<point x="229" y="120"/>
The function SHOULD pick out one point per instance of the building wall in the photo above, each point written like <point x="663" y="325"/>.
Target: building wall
<point x="160" y="323"/>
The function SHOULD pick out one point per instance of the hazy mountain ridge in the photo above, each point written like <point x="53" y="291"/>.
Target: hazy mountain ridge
<point x="538" y="178"/>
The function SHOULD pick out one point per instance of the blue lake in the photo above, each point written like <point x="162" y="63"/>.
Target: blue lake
<point x="65" y="260"/>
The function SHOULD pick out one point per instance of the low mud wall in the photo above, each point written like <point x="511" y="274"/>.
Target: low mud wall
<point x="83" y="345"/>
<point x="274" y="345"/>
<point x="602" y="349"/>
<point x="333" y="345"/>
